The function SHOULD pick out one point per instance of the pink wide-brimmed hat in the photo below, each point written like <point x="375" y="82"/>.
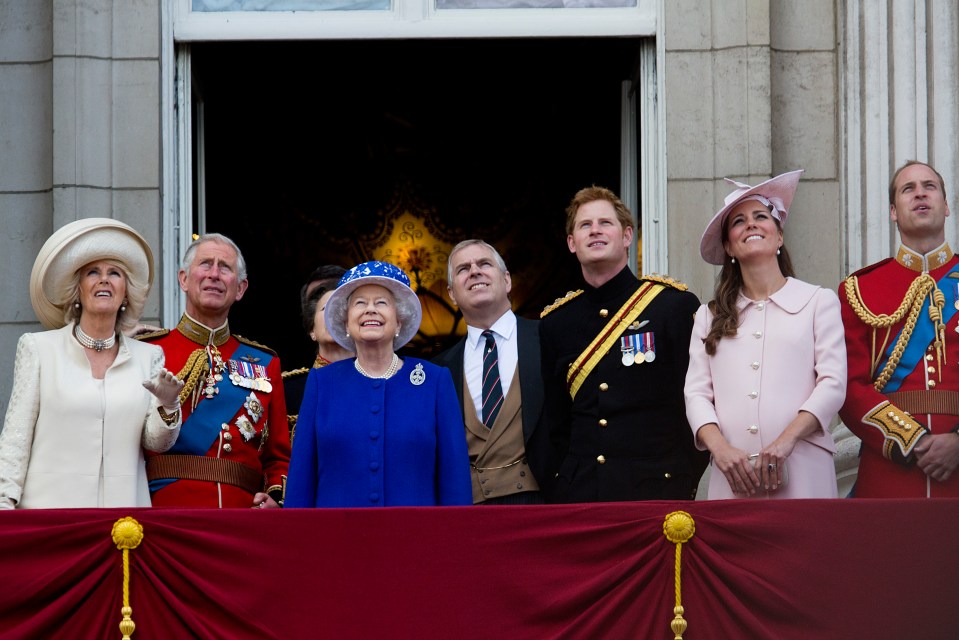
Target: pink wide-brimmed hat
<point x="777" y="192"/>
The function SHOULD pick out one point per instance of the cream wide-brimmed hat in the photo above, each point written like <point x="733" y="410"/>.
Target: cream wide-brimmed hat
<point x="778" y="192"/>
<point x="409" y="311"/>
<point x="79" y="243"/>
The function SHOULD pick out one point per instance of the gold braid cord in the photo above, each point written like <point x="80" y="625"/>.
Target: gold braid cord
<point x="909" y="308"/>
<point x="679" y="528"/>
<point x="196" y="367"/>
<point x="127" y="534"/>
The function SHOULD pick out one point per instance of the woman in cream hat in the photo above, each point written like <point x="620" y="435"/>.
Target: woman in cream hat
<point x="378" y="430"/>
<point x="767" y="368"/>
<point x="86" y="398"/>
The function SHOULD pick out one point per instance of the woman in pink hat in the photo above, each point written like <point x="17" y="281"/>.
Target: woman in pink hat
<point x="767" y="367"/>
<point x="86" y="399"/>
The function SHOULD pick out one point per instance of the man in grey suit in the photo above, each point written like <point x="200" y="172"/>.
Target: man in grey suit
<point x="498" y="378"/>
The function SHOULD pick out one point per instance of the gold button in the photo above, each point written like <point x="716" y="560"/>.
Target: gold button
<point x="227" y="436"/>
<point x="929" y="357"/>
<point x="225" y="426"/>
<point x="228" y="447"/>
<point x="601" y="459"/>
<point x="603" y="313"/>
<point x="752" y="429"/>
<point x="603" y="386"/>
<point x="602" y="422"/>
<point x="932" y="383"/>
<point x="667" y="475"/>
<point x="931" y="369"/>
<point x="907" y="427"/>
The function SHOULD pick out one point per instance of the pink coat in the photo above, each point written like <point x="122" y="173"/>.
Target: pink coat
<point x="789" y="355"/>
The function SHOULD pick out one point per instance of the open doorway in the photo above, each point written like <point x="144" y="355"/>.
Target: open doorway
<point x="312" y="147"/>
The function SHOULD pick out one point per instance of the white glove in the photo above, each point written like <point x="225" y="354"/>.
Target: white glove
<point x="166" y="387"/>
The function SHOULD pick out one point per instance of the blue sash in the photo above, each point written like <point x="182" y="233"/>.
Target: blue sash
<point x="923" y="334"/>
<point x="201" y="429"/>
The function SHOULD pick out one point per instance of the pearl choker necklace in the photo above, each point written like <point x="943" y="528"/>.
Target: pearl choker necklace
<point x="91" y="343"/>
<point x="390" y="370"/>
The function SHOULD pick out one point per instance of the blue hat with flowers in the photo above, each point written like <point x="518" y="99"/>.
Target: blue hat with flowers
<point x="409" y="311"/>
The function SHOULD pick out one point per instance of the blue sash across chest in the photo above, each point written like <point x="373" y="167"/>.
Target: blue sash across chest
<point x="923" y="334"/>
<point x="201" y="429"/>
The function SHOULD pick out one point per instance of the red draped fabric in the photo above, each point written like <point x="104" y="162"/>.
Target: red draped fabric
<point x="810" y="569"/>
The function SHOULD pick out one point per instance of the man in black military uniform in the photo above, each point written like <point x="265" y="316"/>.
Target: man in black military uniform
<point x="614" y="364"/>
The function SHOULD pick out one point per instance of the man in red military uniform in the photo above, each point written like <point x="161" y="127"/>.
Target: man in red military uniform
<point x="900" y="316"/>
<point x="234" y="446"/>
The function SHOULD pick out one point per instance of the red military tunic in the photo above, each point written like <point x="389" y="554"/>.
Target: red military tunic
<point x="254" y="444"/>
<point x="923" y="398"/>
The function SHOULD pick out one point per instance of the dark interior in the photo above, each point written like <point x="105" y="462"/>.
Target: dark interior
<point x="308" y="143"/>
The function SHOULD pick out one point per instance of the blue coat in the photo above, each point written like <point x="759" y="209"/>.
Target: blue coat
<point x="364" y="442"/>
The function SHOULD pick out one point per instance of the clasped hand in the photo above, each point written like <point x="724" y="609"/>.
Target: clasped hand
<point x="166" y="387"/>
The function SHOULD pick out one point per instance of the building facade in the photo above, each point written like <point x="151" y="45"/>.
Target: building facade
<point x="98" y="111"/>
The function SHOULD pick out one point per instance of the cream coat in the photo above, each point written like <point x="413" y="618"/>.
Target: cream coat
<point x="72" y="441"/>
<point x="789" y="355"/>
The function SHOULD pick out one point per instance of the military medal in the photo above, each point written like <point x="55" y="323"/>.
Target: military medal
<point x="626" y="345"/>
<point x="247" y="430"/>
<point x="648" y="348"/>
<point x="215" y="374"/>
<point x="249" y="376"/>
<point x="253" y="407"/>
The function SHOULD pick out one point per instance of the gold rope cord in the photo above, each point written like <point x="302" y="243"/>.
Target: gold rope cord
<point x="922" y="286"/>
<point x="195" y="368"/>
<point x="127" y="534"/>
<point x="679" y="528"/>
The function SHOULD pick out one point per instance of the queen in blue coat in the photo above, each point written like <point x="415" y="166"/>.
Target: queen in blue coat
<point x="378" y="430"/>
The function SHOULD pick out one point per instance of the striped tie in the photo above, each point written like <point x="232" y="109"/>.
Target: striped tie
<point x="492" y="388"/>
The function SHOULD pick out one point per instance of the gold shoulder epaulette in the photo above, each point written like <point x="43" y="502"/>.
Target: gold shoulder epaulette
<point x="559" y="302"/>
<point x="295" y="372"/>
<point x="151" y="335"/>
<point x="255" y="344"/>
<point x="666" y="280"/>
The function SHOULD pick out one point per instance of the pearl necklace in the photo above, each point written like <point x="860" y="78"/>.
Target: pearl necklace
<point x="93" y="343"/>
<point x="390" y="370"/>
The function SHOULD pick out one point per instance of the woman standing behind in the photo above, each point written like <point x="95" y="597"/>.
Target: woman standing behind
<point x="377" y="430"/>
<point x="85" y="397"/>
<point x="767" y="368"/>
<point x="315" y="295"/>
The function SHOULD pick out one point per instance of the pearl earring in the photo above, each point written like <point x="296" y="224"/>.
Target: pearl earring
<point x="733" y="260"/>
<point x="76" y="305"/>
<point x="313" y="336"/>
<point x="123" y="306"/>
<point x="778" y="252"/>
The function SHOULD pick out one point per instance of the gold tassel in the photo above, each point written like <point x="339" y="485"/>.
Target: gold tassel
<point x="127" y="534"/>
<point x="679" y="528"/>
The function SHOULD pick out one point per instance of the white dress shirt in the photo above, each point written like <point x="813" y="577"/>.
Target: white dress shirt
<point x="504" y="331"/>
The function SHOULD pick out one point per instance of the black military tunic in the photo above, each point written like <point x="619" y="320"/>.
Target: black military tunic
<point x="625" y="436"/>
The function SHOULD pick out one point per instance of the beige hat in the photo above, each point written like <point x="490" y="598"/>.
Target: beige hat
<point x="776" y="192"/>
<point x="79" y="243"/>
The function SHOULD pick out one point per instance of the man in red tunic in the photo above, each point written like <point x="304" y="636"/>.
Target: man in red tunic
<point x="234" y="446"/>
<point x="900" y="316"/>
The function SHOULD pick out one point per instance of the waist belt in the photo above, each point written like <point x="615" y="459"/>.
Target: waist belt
<point x="919" y="401"/>
<point x="184" y="467"/>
